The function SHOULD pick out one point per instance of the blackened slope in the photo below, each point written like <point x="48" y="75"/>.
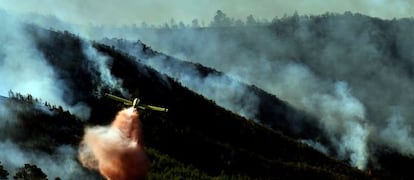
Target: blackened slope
<point x="64" y="52"/>
<point x="198" y="132"/>
<point x="272" y="111"/>
<point x="195" y="131"/>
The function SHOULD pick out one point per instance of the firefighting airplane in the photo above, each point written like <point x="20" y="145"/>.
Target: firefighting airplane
<point x="135" y="103"/>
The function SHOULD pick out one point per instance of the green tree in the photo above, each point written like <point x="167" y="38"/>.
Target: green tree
<point x="30" y="172"/>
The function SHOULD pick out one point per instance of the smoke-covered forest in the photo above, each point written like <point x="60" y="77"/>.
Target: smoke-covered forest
<point x="300" y="96"/>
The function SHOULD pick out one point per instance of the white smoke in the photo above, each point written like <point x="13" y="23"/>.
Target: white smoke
<point x="101" y="64"/>
<point x="23" y="69"/>
<point x="346" y="79"/>
<point x="340" y="114"/>
<point x="316" y="145"/>
<point x="62" y="163"/>
<point x="398" y="133"/>
<point x="224" y="91"/>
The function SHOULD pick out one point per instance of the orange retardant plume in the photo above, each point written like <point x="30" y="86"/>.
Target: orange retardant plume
<point x="116" y="151"/>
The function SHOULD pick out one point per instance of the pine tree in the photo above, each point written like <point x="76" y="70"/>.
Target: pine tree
<point x="30" y="172"/>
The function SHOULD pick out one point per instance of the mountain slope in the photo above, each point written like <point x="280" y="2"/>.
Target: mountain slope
<point x="218" y="140"/>
<point x="210" y="126"/>
<point x="195" y="131"/>
<point x="350" y="71"/>
<point x="271" y="111"/>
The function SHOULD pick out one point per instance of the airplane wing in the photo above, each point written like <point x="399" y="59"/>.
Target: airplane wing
<point x="154" y="108"/>
<point x="116" y="98"/>
<point x="136" y="104"/>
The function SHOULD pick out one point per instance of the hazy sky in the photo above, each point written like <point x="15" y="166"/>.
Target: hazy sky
<point x="161" y="11"/>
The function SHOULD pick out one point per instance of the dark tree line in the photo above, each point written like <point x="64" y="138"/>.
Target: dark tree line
<point x="32" y="100"/>
<point x="28" y="171"/>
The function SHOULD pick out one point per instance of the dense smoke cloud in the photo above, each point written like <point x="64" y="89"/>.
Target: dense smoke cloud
<point x="340" y="114"/>
<point x="348" y="78"/>
<point x="161" y="11"/>
<point x="23" y="69"/>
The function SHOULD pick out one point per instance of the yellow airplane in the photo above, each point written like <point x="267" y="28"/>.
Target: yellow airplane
<point x="135" y="103"/>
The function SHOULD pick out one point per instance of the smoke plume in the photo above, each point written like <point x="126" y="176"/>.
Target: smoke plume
<point x="340" y="68"/>
<point x="117" y="150"/>
<point x="61" y="162"/>
<point x="23" y="69"/>
<point x="224" y="91"/>
<point x="101" y="65"/>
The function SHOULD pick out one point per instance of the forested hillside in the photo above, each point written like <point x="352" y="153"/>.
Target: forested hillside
<point x="287" y="99"/>
<point x="200" y="138"/>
